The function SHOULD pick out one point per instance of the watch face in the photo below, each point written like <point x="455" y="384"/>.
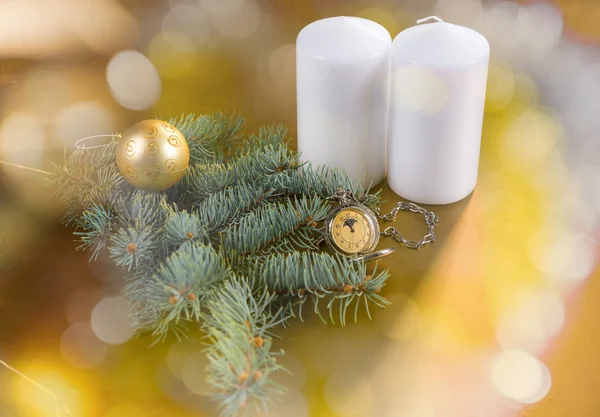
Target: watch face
<point x="353" y="231"/>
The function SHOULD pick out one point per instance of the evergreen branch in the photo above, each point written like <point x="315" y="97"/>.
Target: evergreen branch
<point x="209" y="138"/>
<point x="257" y="165"/>
<point x="205" y="180"/>
<point x="183" y="228"/>
<point x="132" y="247"/>
<point x="299" y="277"/>
<point x="87" y="178"/>
<point x="225" y="207"/>
<point x="268" y="160"/>
<point x="282" y="227"/>
<point x="323" y="182"/>
<point x="141" y="209"/>
<point x="273" y="136"/>
<point x="153" y="320"/>
<point x="241" y="362"/>
<point x="262" y="212"/>
<point x="180" y="285"/>
<point x="96" y="225"/>
<point x="135" y="291"/>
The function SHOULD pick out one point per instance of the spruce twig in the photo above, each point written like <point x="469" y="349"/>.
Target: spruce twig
<point x="241" y="361"/>
<point x="95" y="227"/>
<point x="134" y="247"/>
<point x="225" y="207"/>
<point x="299" y="277"/>
<point x="209" y="137"/>
<point x="287" y="227"/>
<point x="176" y="291"/>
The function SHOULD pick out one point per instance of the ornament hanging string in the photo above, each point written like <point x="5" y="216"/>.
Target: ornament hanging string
<point x="80" y="143"/>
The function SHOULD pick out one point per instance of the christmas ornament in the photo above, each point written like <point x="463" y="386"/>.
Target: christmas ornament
<point x="353" y="229"/>
<point x="152" y="155"/>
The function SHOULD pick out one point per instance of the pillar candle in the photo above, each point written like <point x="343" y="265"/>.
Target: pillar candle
<point x="439" y="77"/>
<point x="343" y="80"/>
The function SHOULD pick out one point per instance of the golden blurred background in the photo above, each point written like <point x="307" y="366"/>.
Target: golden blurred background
<point x="498" y="319"/>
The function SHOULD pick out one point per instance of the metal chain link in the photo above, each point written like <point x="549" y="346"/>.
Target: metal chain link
<point x="345" y="196"/>
<point x="430" y="218"/>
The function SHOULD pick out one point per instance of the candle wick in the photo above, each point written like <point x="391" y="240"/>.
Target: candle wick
<point x="425" y="19"/>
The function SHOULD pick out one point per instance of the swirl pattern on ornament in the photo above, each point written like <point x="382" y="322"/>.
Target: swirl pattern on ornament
<point x="171" y="165"/>
<point x="153" y="148"/>
<point x="132" y="173"/>
<point x="150" y="132"/>
<point x="168" y="127"/>
<point x="130" y="148"/>
<point x="152" y="170"/>
<point x="174" y="141"/>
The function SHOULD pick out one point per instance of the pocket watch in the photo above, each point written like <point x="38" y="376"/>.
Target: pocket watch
<point x="353" y="228"/>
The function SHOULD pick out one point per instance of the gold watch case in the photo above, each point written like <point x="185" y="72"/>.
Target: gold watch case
<point x="353" y="229"/>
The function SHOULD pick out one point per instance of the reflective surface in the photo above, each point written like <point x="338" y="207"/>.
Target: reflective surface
<point x="498" y="318"/>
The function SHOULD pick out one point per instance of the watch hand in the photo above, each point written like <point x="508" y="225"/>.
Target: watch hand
<point x="350" y="223"/>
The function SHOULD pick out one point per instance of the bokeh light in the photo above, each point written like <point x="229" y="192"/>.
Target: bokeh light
<point x="234" y="19"/>
<point x="222" y="7"/>
<point x="539" y="29"/>
<point x="552" y="175"/>
<point x="192" y="373"/>
<point x="69" y="129"/>
<point x="529" y="138"/>
<point x="110" y="320"/>
<point x="520" y="376"/>
<point x="570" y="210"/>
<point x="22" y="139"/>
<point x="533" y="318"/>
<point x="186" y="27"/>
<point x="172" y="387"/>
<point x="500" y="87"/>
<point x="565" y="255"/>
<point x="46" y="92"/>
<point x="134" y="81"/>
<point x="172" y="63"/>
<point x="282" y="69"/>
<point x="498" y="26"/>
<point x="33" y="29"/>
<point x="80" y="346"/>
<point x="177" y="355"/>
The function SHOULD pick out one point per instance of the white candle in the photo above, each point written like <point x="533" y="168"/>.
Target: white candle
<point x="439" y="77"/>
<point x="343" y="78"/>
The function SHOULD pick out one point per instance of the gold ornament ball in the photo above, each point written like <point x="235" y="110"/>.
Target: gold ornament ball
<point x="152" y="155"/>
